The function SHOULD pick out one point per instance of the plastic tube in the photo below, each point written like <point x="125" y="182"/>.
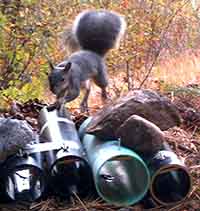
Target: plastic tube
<point x="67" y="163"/>
<point x="170" y="182"/>
<point x="24" y="177"/>
<point x="121" y="177"/>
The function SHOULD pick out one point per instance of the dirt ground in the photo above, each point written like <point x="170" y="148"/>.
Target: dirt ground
<point x="184" y="140"/>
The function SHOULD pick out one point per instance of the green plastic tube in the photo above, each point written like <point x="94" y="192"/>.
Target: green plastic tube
<point x="120" y="175"/>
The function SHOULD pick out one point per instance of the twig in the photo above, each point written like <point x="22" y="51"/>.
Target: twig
<point x="164" y="32"/>
<point x="194" y="167"/>
<point x="177" y="206"/>
<point x="197" y="195"/>
<point x="194" y="131"/>
<point x="81" y="202"/>
<point x="180" y="146"/>
<point x="196" y="142"/>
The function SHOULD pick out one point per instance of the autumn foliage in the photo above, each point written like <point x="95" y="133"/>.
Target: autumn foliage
<point x="31" y="31"/>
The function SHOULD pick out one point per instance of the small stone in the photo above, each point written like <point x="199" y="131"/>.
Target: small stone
<point x="141" y="135"/>
<point x="14" y="135"/>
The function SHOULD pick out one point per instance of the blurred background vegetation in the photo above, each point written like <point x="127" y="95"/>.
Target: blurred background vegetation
<point x="159" y="50"/>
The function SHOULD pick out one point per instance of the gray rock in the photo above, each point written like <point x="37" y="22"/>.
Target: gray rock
<point x="145" y="103"/>
<point x="141" y="135"/>
<point x="14" y="135"/>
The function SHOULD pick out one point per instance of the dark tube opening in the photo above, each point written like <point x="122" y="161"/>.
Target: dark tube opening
<point x="24" y="183"/>
<point x="171" y="185"/>
<point x="70" y="175"/>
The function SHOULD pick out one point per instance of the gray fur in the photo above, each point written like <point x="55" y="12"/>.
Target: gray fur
<point x="96" y="31"/>
<point x="14" y="135"/>
<point x="85" y="65"/>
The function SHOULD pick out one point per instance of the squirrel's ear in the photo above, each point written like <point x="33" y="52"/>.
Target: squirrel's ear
<point x="67" y="66"/>
<point x="51" y="64"/>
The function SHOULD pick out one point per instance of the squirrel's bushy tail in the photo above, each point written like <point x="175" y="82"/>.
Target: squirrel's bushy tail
<point x="96" y="30"/>
<point x="69" y="41"/>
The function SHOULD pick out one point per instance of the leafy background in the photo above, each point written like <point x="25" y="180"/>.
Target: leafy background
<point x="159" y="50"/>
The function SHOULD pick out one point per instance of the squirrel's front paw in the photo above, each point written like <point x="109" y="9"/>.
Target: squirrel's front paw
<point x="106" y="98"/>
<point x="84" y="107"/>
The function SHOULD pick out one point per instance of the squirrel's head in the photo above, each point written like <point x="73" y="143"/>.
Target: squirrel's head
<point x="59" y="78"/>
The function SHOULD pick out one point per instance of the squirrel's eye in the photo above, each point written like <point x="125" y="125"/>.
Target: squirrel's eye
<point x="62" y="79"/>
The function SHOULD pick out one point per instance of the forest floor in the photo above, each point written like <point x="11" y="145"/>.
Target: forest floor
<point x="185" y="141"/>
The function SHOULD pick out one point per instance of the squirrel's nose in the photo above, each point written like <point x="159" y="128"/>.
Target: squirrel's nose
<point x="52" y="87"/>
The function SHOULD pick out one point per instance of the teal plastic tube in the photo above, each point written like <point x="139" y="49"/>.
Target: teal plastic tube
<point x="120" y="175"/>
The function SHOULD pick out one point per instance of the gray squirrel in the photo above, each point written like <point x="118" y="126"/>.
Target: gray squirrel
<point x="95" y="32"/>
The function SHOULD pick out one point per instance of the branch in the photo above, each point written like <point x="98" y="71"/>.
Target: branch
<point x="163" y="34"/>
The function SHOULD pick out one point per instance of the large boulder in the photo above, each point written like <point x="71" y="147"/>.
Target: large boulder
<point x="14" y="135"/>
<point x="145" y="103"/>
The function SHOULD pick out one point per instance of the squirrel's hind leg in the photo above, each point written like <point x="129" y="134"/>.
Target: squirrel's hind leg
<point x="84" y="103"/>
<point x="102" y="82"/>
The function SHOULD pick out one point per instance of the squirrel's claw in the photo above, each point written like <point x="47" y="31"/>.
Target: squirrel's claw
<point x="84" y="107"/>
